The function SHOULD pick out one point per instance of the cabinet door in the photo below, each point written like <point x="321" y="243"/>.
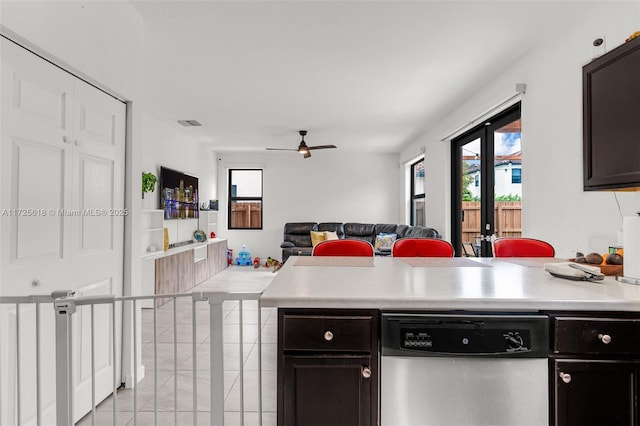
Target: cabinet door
<point x="589" y="392"/>
<point x="327" y="391"/>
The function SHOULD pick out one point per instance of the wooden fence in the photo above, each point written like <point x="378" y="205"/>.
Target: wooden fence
<point x="507" y="219"/>
<point x="246" y="215"/>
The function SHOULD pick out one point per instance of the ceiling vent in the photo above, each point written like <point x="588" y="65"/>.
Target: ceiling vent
<point x="189" y="123"/>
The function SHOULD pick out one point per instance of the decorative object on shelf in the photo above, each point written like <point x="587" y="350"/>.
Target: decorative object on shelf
<point x="213" y="234"/>
<point x="634" y="35"/>
<point x="200" y="236"/>
<point x="213" y="205"/>
<point x="148" y="182"/>
<point x="166" y="239"/>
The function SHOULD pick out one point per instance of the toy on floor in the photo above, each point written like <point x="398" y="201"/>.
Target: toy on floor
<point x="256" y="262"/>
<point x="244" y="258"/>
<point x="273" y="262"/>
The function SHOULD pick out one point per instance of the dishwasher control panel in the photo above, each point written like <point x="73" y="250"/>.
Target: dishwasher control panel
<point x="471" y="340"/>
<point x="465" y="335"/>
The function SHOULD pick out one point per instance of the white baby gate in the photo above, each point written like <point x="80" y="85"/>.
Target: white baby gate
<point x="66" y="305"/>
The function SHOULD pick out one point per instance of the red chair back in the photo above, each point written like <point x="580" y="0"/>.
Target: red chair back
<point x="344" y="247"/>
<point x="421" y="247"/>
<point x="522" y="247"/>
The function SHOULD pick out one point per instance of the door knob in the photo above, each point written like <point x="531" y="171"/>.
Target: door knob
<point x="366" y="372"/>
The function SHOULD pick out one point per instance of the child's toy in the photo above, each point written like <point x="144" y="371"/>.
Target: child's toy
<point x="256" y="262"/>
<point x="230" y="256"/>
<point x="244" y="258"/>
<point x="273" y="262"/>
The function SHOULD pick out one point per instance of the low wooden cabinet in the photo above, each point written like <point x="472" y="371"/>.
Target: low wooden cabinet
<point x="595" y="367"/>
<point x="179" y="272"/>
<point x="174" y="274"/>
<point x="328" y="367"/>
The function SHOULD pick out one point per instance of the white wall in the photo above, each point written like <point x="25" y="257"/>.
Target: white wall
<point x="331" y="186"/>
<point x="168" y="146"/>
<point x="556" y="208"/>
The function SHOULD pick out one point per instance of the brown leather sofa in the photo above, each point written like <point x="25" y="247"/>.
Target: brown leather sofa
<point x="297" y="235"/>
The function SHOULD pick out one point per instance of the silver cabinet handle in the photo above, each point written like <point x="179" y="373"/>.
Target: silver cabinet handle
<point x="366" y="372"/>
<point x="566" y="377"/>
<point x="604" y="338"/>
<point x="328" y="336"/>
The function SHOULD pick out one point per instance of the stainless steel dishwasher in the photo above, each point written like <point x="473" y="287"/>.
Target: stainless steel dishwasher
<point x="464" y="370"/>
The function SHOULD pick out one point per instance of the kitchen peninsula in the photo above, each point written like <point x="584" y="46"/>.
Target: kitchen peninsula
<point x="329" y="330"/>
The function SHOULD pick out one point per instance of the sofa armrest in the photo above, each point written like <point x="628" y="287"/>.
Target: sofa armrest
<point x="287" y="244"/>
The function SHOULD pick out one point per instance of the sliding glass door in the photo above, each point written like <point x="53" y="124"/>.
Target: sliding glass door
<point x="487" y="183"/>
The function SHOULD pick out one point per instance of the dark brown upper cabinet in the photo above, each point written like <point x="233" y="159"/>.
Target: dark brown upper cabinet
<point x="611" y="119"/>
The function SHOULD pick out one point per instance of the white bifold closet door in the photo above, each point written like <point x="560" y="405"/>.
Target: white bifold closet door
<point x="62" y="144"/>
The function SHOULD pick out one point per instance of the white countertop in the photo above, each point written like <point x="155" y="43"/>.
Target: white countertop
<point x="495" y="284"/>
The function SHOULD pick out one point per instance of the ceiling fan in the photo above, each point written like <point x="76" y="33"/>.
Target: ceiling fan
<point x="303" y="148"/>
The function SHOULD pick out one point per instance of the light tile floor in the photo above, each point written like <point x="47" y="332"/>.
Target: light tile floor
<point x="234" y="278"/>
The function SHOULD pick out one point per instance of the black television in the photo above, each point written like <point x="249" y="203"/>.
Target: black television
<point x="178" y="195"/>
<point x="611" y="119"/>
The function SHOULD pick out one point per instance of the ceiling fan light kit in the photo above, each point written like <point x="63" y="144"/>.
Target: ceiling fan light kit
<point x="303" y="148"/>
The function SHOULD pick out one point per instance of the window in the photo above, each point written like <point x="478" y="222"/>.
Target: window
<point x="516" y="175"/>
<point x="477" y="180"/>
<point x="417" y="193"/>
<point x="245" y="199"/>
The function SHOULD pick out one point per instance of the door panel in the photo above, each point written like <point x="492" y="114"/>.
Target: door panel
<point x="487" y="182"/>
<point x="96" y="201"/>
<point x="595" y="393"/>
<point x="326" y="391"/>
<point x="37" y="202"/>
<point x="104" y="362"/>
<point x="471" y="189"/>
<point x="97" y="248"/>
<point x="61" y="152"/>
<point x="27" y="318"/>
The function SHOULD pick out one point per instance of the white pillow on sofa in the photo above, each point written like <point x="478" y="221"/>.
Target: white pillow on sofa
<point x="330" y="235"/>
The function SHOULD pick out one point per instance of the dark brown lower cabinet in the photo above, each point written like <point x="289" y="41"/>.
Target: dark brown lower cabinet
<point x="594" y="369"/>
<point x="327" y="391"/>
<point x="327" y="367"/>
<point x="595" y="392"/>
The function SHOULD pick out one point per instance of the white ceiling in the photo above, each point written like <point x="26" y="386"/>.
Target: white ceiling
<point x="369" y="76"/>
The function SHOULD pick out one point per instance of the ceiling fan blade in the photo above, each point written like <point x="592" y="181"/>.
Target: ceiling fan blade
<point x="322" y="147"/>
<point x="280" y="149"/>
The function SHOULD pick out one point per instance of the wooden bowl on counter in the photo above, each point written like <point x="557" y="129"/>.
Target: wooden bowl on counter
<point x="611" y="269"/>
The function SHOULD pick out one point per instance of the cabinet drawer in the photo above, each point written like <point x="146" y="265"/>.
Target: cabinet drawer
<point x="597" y="336"/>
<point x="321" y="333"/>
